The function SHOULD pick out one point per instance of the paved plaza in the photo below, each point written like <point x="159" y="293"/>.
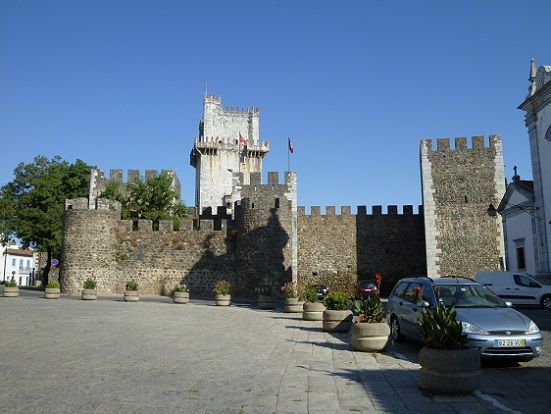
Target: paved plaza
<point x="108" y="356"/>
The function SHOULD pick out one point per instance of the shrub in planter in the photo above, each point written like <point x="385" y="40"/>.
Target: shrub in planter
<point x="181" y="294"/>
<point x="337" y="317"/>
<point x="222" y="291"/>
<point x="89" y="291"/>
<point x="52" y="290"/>
<point x="292" y="302"/>
<point x="131" y="293"/>
<point x="11" y="290"/>
<point x="447" y="366"/>
<point x="266" y="299"/>
<point x="370" y="333"/>
<point x="312" y="310"/>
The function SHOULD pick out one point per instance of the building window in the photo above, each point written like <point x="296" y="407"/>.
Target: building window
<point x="28" y="264"/>
<point x="13" y="262"/>
<point x="21" y="263"/>
<point x="521" y="262"/>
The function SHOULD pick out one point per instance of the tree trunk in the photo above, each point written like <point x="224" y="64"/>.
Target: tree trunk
<point x="46" y="270"/>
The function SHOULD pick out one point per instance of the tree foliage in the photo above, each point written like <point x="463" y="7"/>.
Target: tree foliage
<point x="153" y="199"/>
<point x="31" y="206"/>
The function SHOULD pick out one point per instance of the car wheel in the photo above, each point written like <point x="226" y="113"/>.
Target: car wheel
<point x="395" y="331"/>
<point x="546" y="302"/>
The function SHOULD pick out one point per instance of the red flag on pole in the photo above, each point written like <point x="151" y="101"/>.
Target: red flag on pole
<point x="291" y="148"/>
<point x="242" y="140"/>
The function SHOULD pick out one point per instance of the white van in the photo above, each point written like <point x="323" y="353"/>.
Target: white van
<point x="516" y="287"/>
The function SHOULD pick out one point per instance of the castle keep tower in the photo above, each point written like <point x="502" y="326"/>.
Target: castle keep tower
<point x="458" y="186"/>
<point x="218" y="152"/>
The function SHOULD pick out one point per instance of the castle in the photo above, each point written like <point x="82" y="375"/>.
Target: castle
<point x="253" y="233"/>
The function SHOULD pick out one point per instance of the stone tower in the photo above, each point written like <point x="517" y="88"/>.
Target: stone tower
<point x="537" y="106"/>
<point x="219" y="152"/>
<point x="458" y="186"/>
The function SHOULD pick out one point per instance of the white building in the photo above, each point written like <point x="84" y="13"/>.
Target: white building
<point x="22" y="264"/>
<point x="537" y="106"/>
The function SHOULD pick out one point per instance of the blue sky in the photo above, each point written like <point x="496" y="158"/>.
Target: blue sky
<point x="355" y="84"/>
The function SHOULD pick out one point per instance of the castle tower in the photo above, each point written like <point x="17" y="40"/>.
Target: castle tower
<point x="537" y="106"/>
<point x="218" y="152"/>
<point x="458" y="186"/>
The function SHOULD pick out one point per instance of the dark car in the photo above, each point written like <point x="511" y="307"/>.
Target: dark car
<point x="322" y="291"/>
<point x="491" y="325"/>
<point x="367" y="288"/>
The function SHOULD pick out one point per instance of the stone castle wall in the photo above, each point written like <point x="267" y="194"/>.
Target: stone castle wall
<point x="458" y="186"/>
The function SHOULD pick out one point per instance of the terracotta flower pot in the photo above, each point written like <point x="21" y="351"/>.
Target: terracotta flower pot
<point x="370" y="337"/>
<point x="52" y="293"/>
<point x="222" y="300"/>
<point x="449" y="371"/>
<point x="337" y="320"/>
<point x="89" y="294"/>
<point x="11" y="292"/>
<point x="181" y="297"/>
<point x="293" y="305"/>
<point x="312" y="311"/>
<point x="131" y="296"/>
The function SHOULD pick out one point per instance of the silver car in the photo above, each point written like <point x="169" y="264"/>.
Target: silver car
<point x="491" y="324"/>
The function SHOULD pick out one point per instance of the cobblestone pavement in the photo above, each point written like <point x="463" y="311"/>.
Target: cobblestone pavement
<point x="107" y="356"/>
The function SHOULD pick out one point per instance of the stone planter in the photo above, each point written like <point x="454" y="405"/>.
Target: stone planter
<point x="312" y="311"/>
<point x="449" y="371"/>
<point x="52" y="293"/>
<point x="11" y="292"/>
<point x="181" y="297"/>
<point x="267" y="302"/>
<point x="370" y="337"/>
<point x="222" y="300"/>
<point x="89" y="294"/>
<point x="131" y="296"/>
<point x="337" y="320"/>
<point x="293" y="305"/>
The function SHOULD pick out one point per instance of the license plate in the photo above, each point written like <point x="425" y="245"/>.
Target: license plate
<point x="505" y="343"/>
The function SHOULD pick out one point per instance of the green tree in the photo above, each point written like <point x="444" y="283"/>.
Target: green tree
<point x="153" y="200"/>
<point x="31" y="206"/>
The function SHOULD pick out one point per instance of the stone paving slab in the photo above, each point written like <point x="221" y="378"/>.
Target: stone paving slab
<point x="108" y="356"/>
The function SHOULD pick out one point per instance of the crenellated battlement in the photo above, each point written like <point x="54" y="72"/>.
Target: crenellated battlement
<point x="231" y="110"/>
<point x="477" y="142"/>
<point x="391" y="210"/>
<point x="219" y="142"/>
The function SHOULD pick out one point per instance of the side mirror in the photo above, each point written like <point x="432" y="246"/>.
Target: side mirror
<point x="509" y="304"/>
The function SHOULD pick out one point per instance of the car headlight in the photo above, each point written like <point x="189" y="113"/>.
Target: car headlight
<point x="532" y="328"/>
<point x="469" y="328"/>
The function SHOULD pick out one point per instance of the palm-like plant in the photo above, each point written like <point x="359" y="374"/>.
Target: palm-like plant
<point x="440" y="329"/>
<point x="368" y="310"/>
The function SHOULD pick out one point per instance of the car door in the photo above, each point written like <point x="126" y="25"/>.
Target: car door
<point x="412" y="309"/>
<point x="524" y="291"/>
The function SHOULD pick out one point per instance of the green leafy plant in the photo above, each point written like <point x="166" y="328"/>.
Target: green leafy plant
<point x="440" y="329"/>
<point x="222" y="287"/>
<point x="309" y="294"/>
<point x="132" y="285"/>
<point x="11" y="283"/>
<point x="121" y="256"/>
<point x="368" y="310"/>
<point x="181" y="288"/>
<point x="52" y="284"/>
<point x="337" y="301"/>
<point x="264" y="291"/>
<point x="90" y="284"/>
<point x="291" y="290"/>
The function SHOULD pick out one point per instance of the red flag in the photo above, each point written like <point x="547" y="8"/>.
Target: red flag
<point x="242" y="140"/>
<point x="291" y="148"/>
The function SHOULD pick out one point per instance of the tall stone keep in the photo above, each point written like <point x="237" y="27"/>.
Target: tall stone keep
<point x="219" y="152"/>
<point x="458" y="186"/>
<point x="537" y="106"/>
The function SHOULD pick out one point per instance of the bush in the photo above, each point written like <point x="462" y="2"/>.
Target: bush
<point x="90" y="284"/>
<point x="52" y="284"/>
<point x="132" y="285"/>
<point x="181" y="288"/>
<point x="223" y="287"/>
<point x="290" y="289"/>
<point x="368" y="310"/>
<point x="264" y="291"/>
<point x="11" y="283"/>
<point x="309" y="294"/>
<point x="337" y="301"/>
<point x="440" y="329"/>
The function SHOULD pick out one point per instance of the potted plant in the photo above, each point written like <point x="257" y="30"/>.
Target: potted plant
<point x="52" y="290"/>
<point x="222" y="291"/>
<point x="181" y="294"/>
<point x="338" y="316"/>
<point x="292" y="302"/>
<point x="312" y="310"/>
<point x="11" y="290"/>
<point x="447" y="366"/>
<point x="131" y="293"/>
<point x="89" y="291"/>
<point x="370" y="333"/>
<point x="266" y="300"/>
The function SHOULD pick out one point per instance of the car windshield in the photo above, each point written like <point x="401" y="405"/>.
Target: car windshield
<point x="467" y="296"/>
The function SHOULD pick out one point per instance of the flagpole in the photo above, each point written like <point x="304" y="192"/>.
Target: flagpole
<point x="288" y="157"/>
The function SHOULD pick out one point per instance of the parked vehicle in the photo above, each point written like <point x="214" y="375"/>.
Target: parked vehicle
<point x="367" y="288"/>
<point x="491" y="325"/>
<point x="516" y="287"/>
<point x="321" y="291"/>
